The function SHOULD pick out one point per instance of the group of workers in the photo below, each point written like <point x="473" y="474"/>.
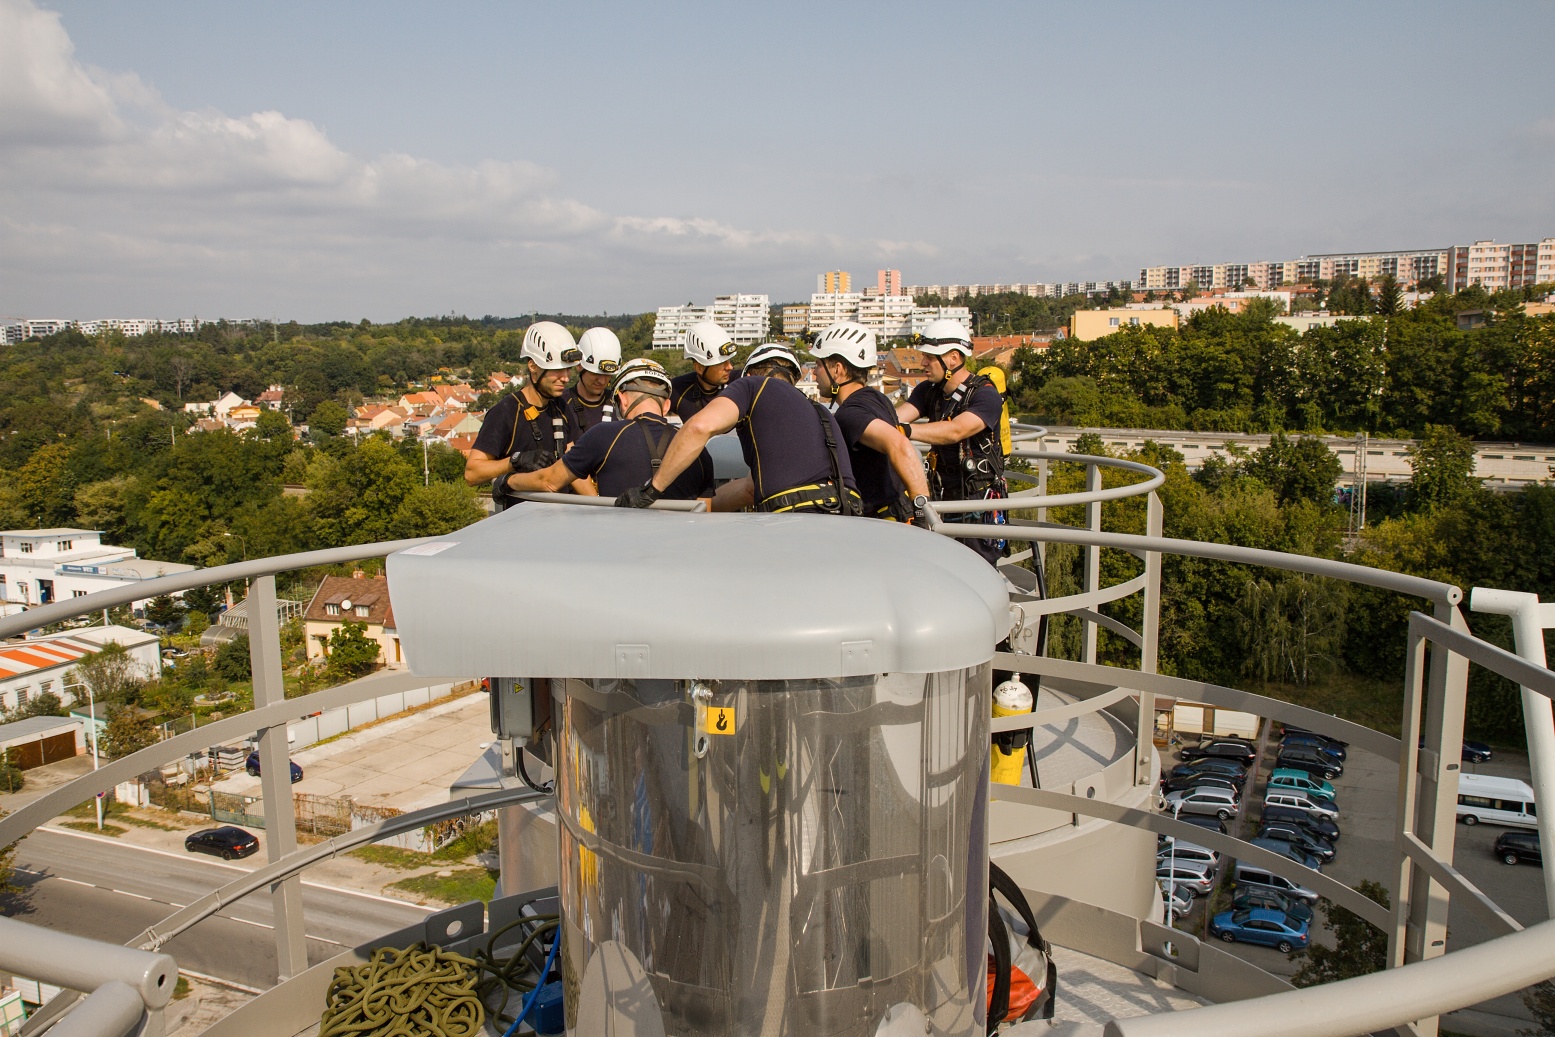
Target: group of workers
<point x="612" y="433"/>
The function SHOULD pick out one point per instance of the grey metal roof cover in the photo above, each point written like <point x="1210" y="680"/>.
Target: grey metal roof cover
<point x="553" y="590"/>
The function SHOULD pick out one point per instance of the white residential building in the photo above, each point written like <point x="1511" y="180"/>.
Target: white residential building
<point x="888" y="316"/>
<point x="744" y="317"/>
<point x="42" y="328"/>
<point x="828" y="308"/>
<point x="12" y="333"/>
<point x="46" y="665"/>
<point x="922" y="315"/>
<point x="39" y="566"/>
<point x="669" y="327"/>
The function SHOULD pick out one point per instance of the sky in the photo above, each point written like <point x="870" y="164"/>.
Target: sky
<point x="385" y="159"/>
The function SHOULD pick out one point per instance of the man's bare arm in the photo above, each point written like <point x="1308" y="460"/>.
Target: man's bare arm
<point x="717" y="417"/>
<point x="905" y="461"/>
<point x="480" y="468"/>
<point x="944" y="433"/>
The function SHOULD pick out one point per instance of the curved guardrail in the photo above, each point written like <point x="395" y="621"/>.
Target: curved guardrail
<point x="1415" y="922"/>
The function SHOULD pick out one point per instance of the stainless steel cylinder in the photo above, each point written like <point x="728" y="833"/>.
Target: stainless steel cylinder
<point x="782" y="858"/>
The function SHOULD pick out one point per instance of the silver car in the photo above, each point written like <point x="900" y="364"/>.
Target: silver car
<point x="1220" y="803"/>
<point x="1187" y="852"/>
<point x="1198" y="877"/>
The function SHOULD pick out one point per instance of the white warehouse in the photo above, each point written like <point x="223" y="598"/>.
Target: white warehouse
<point x="39" y="566"/>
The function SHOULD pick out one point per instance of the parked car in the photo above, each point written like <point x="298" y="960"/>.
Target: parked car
<point x="252" y="766"/>
<point x="1220" y="749"/>
<point x="1297" y="910"/>
<point x="1258" y="925"/>
<point x="1195" y="781"/>
<point x="1194" y="875"/>
<point x="1473" y="752"/>
<point x="1289" y="777"/>
<point x="1322" y="849"/>
<point x="226" y="842"/>
<point x="1516" y="847"/>
<point x="1496" y="801"/>
<point x="1217" y="802"/>
<point x="1287" y="730"/>
<point x="1229" y="769"/>
<point x="1313" y="805"/>
<point x="1178" y="897"/>
<point x="1314" y="824"/>
<point x="1204" y="821"/>
<point x="1251" y="877"/>
<point x="1290" y="851"/>
<point x="1326" y="746"/>
<point x="1185" y="851"/>
<point x="1311" y="761"/>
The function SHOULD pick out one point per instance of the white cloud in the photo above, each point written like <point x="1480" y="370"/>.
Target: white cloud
<point x="110" y="187"/>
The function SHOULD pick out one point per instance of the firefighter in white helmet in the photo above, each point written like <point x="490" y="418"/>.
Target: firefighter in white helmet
<point x="527" y="430"/>
<point x="711" y="352"/>
<point x="618" y="455"/>
<point x="587" y="403"/>
<point x="961" y="412"/>
<point x="888" y="470"/>
<point x="792" y="444"/>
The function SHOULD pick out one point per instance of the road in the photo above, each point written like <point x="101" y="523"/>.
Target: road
<point x="112" y="891"/>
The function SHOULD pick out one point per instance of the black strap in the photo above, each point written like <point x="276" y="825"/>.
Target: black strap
<point x="1000" y="882"/>
<point x="849" y="505"/>
<point x="658" y="445"/>
<point x="999" y="996"/>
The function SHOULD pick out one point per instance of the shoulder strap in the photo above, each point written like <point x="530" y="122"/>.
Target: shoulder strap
<point x="658" y="445"/>
<point x="836" y="463"/>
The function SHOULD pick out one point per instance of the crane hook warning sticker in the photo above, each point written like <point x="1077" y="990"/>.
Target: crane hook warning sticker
<point x="720" y="720"/>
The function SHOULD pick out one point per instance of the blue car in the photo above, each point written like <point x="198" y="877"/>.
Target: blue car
<point x="1327" y="746"/>
<point x="1290" y="851"/>
<point x="252" y="766"/>
<point x="1261" y="925"/>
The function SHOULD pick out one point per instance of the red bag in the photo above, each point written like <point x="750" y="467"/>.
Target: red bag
<point x="1023" y="992"/>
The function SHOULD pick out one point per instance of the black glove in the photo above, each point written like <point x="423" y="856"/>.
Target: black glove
<point x="531" y="460"/>
<point x="638" y="496"/>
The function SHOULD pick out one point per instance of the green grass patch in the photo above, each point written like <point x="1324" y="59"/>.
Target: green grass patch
<point x="393" y="857"/>
<point x="181" y="990"/>
<point x="463" y="885"/>
<point x="91" y="826"/>
<point x="1371" y="703"/>
<point x="476" y="840"/>
<point x="120" y="813"/>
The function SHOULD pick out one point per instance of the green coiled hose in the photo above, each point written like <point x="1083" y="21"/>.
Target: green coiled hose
<point x="415" y="992"/>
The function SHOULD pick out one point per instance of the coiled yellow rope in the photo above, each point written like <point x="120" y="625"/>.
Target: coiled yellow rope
<point x="415" y="992"/>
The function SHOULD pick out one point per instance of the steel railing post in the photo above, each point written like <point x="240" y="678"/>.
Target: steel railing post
<point x="1092" y="560"/>
<point x="1408" y="764"/>
<point x="1151" y="636"/>
<point x="275" y="777"/>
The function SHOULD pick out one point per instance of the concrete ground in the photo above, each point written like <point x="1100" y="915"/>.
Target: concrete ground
<point x="406" y="762"/>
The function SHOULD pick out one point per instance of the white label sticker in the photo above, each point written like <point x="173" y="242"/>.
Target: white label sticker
<point x="430" y="549"/>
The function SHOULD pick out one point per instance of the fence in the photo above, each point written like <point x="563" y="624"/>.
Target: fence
<point x="338" y="721"/>
<point x="224" y="806"/>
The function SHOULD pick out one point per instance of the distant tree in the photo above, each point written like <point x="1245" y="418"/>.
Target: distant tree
<point x="272" y="424"/>
<point x="7" y="853"/>
<point x="1292" y="628"/>
<point x="1540" y="1002"/>
<point x="128" y="731"/>
<point x="111" y="673"/>
<point x="47" y="704"/>
<point x="12" y="779"/>
<point x="205" y="600"/>
<point x="1359" y="947"/>
<point x="1390" y="297"/>
<point x="328" y="419"/>
<point x="351" y="652"/>
<point x="45" y="486"/>
<point x="103" y="505"/>
<point x="1303" y="469"/>
<point x="232" y="659"/>
<point x="440" y="508"/>
<point x="1442" y="463"/>
<point x="164" y="610"/>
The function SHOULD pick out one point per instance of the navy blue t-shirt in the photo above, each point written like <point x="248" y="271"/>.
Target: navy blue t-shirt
<point x="687" y="395"/>
<point x="509" y="426"/>
<point x="878" y="483"/>
<point x="984" y="401"/>
<point x="780" y="435"/>
<point x="618" y="456"/>
<point x="581" y="414"/>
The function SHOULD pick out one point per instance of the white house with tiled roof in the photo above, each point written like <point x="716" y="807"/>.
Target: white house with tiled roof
<point x="45" y="665"/>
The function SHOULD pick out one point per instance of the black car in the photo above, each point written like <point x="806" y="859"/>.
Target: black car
<point x="226" y="842"/>
<point x="1205" y="821"/>
<point x="1231" y="749"/>
<point x="1310" y="741"/>
<point x="1515" y="847"/>
<point x="1286" y="731"/>
<point x="1228" y="769"/>
<point x="1269" y="900"/>
<point x="1311" y="761"/>
<point x="1473" y="752"/>
<point x="1193" y="781"/>
<point x="252" y="767"/>
<point x="1322" y="849"/>
<point x="1313" y="824"/>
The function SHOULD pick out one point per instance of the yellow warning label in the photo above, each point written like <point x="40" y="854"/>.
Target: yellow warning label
<point x="720" y="720"/>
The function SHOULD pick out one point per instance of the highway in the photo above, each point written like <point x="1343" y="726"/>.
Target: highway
<point x="112" y="891"/>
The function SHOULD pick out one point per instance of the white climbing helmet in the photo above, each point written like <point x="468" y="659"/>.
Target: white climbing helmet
<point x="550" y="347"/>
<point x="708" y="344"/>
<point x="635" y="372"/>
<point x="768" y="352"/>
<point x="848" y="341"/>
<point x="601" y="351"/>
<point x="942" y="336"/>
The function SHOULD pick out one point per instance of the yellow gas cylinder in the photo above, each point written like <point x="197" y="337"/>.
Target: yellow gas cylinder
<point x="1009" y="747"/>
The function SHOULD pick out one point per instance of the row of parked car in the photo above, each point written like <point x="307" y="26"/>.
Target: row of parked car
<point x="1299" y="821"/>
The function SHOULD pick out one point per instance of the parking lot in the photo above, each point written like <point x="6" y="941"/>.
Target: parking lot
<point x="1367" y="799"/>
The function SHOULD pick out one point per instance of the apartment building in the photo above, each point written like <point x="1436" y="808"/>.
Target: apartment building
<point x="888" y="282"/>
<point x="671" y="322"/>
<point x="922" y="315"/>
<point x="40" y="566"/>
<point x="1497" y="266"/>
<point x="744" y="317"/>
<point x="834" y="282"/>
<point x="1037" y="289"/>
<point x="828" y="308"/>
<point x="796" y="320"/>
<point x="1086" y="325"/>
<point x="888" y="316"/>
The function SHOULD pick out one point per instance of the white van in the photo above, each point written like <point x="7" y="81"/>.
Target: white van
<point x="1496" y="801"/>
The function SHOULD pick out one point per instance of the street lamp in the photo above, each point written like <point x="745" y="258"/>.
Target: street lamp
<point x="1171" y="889"/>
<point x="242" y="542"/>
<point x="91" y="706"/>
<point x="426" y="471"/>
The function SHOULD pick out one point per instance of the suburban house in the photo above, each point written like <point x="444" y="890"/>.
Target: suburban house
<point x="353" y="599"/>
<point x="272" y="398"/>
